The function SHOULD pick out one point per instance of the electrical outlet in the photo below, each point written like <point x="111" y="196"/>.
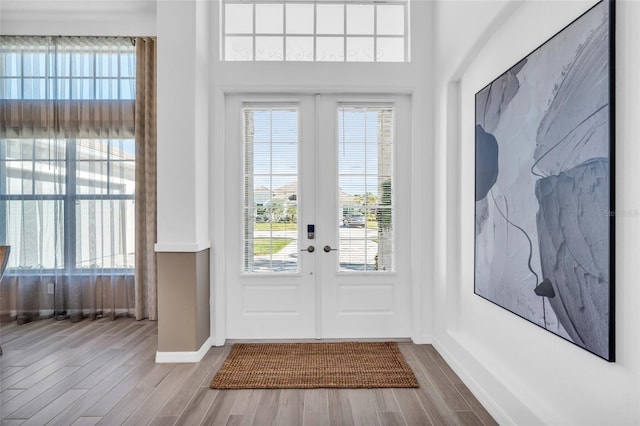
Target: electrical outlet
<point x="50" y="288"/>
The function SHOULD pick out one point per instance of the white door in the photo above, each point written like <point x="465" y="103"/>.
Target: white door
<point x="317" y="216"/>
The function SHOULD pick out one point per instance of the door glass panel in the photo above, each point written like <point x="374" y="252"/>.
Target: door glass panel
<point x="365" y="217"/>
<point x="270" y="215"/>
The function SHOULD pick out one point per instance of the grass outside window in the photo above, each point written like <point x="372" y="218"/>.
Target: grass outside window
<point x="264" y="246"/>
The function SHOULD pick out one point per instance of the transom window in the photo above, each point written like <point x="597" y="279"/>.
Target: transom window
<point x="324" y="31"/>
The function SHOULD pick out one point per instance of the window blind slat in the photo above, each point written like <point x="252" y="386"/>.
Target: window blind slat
<point x="271" y="196"/>
<point x="365" y="179"/>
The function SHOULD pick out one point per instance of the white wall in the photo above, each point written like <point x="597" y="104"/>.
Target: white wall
<point x="183" y="126"/>
<point x="524" y="374"/>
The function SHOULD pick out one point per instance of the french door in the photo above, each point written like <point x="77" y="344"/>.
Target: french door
<point x="317" y="216"/>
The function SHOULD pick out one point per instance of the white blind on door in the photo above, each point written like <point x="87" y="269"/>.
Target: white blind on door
<point x="271" y="196"/>
<point x="365" y="180"/>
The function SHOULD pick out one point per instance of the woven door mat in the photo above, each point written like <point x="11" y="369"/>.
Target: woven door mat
<point x="315" y="365"/>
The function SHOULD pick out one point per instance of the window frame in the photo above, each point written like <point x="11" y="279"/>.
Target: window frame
<point x="315" y="36"/>
<point x="387" y="116"/>
<point x="50" y="74"/>
<point x="248" y="258"/>
<point x="69" y="199"/>
<point x="71" y="196"/>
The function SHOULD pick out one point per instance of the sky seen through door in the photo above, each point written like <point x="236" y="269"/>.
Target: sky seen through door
<point x="274" y="164"/>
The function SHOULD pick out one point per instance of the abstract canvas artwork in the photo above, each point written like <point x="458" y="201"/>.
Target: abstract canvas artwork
<point x="544" y="204"/>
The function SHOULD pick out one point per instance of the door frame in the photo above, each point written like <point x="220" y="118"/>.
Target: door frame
<point x="218" y="184"/>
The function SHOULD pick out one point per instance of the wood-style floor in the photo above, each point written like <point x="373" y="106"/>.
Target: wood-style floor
<point x="103" y="372"/>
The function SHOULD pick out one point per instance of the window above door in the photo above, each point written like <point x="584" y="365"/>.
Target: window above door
<point x="320" y="31"/>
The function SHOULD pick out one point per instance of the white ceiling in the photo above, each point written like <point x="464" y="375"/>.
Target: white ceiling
<point x="62" y="8"/>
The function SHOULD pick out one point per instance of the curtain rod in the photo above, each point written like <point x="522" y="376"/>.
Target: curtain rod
<point x="132" y="40"/>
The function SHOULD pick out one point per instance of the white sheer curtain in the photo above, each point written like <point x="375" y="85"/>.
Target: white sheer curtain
<point x="67" y="176"/>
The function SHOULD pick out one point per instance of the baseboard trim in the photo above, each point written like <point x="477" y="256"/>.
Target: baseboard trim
<point x="426" y="339"/>
<point x="184" y="356"/>
<point x="470" y="380"/>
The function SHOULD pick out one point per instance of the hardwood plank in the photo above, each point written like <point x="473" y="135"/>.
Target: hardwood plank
<point x="9" y="370"/>
<point x="50" y="344"/>
<point x="237" y="420"/>
<point x="316" y="407"/>
<point x="81" y="337"/>
<point x="136" y="395"/>
<point x="385" y="401"/>
<point x="267" y="410"/>
<point x="118" y="330"/>
<point x="36" y="377"/>
<point x="87" y="421"/>
<point x="9" y="355"/>
<point x="405" y="350"/>
<point x="124" y="356"/>
<point x="84" y="369"/>
<point x="246" y="406"/>
<point x="291" y="407"/>
<point x="468" y="418"/>
<point x="119" y="391"/>
<point x="363" y="407"/>
<point x="68" y="328"/>
<point x="340" y="408"/>
<point x="160" y="395"/>
<point x="444" y="387"/>
<point x="164" y="421"/>
<point x="68" y="382"/>
<point x="56" y="407"/>
<point x="147" y="353"/>
<point x="182" y="398"/>
<point x="12" y="422"/>
<point x="26" y="335"/>
<point x="440" y="362"/>
<point x="7" y="330"/>
<point x="9" y="394"/>
<point x="477" y="408"/>
<point x="100" y="343"/>
<point x="431" y="400"/>
<point x="208" y="378"/>
<point x="197" y="407"/>
<point x="64" y="357"/>
<point x="8" y="381"/>
<point x="30" y="394"/>
<point x="138" y="331"/>
<point x="92" y="396"/>
<point x="413" y="412"/>
<point x="220" y="410"/>
<point x="392" y="419"/>
<point x="48" y="341"/>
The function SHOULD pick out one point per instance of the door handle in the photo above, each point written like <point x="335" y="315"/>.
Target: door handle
<point x="310" y="249"/>
<point x="328" y="248"/>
